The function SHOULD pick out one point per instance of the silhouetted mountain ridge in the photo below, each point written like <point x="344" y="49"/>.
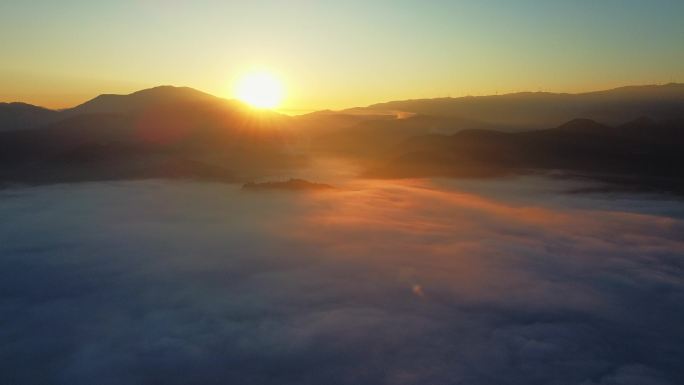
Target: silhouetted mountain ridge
<point x="15" y="116"/>
<point x="181" y="132"/>
<point x="160" y="132"/>
<point x="641" y="148"/>
<point x="144" y="99"/>
<point x="537" y="110"/>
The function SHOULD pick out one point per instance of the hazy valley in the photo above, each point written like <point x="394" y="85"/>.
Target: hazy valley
<point x="630" y="133"/>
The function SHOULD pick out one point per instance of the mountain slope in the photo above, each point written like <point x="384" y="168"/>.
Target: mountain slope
<point x="142" y="100"/>
<point x="18" y="116"/>
<point x="160" y="132"/>
<point x="638" y="148"/>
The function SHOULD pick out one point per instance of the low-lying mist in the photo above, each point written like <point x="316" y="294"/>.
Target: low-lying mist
<point x="506" y="281"/>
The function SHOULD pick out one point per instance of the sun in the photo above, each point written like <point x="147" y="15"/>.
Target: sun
<point x="260" y="89"/>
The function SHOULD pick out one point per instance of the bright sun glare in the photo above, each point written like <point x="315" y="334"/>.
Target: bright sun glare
<point x="260" y="89"/>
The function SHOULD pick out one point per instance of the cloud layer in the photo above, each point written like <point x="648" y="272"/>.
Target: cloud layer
<point x="409" y="282"/>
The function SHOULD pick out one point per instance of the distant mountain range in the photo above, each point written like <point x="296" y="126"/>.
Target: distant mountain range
<point x="181" y="132"/>
<point x="189" y="105"/>
<point x="537" y="110"/>
<point x="642" y="147"/>
<point x="509" y="112"/>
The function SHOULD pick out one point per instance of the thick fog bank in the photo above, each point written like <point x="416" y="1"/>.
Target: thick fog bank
<point x="375" y="282"/>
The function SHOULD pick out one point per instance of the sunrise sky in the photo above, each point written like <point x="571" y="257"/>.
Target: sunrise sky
<point x="335" y="54"/>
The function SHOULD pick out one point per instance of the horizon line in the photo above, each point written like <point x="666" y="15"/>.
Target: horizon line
<point x="303" y="111"/>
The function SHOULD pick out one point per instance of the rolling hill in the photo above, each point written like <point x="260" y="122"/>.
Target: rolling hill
<point x="641" y="149"/>
<point x="15" y="116"/>
<point x="159" y="132"/>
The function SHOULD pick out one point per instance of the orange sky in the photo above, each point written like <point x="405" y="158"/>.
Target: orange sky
<point x="335" y="55"/>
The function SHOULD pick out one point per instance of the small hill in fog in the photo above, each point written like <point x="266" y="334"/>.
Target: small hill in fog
<point x="291" y="185"/>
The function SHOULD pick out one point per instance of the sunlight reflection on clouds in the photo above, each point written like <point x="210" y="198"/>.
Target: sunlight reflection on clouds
<point x="406" y="282"/>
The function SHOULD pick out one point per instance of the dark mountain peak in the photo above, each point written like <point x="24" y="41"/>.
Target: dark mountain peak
<point x="669" y="90"/>
<point x="167" y="91"/>
<point x="17" y="115"/>
<point x="643" y="121"/>
<point x="21" y="106"/>
<point x="322" y="112"/>
<point x="16" y="105"/>
<point x="583" y="125"/>
<point x="140" y="100"/>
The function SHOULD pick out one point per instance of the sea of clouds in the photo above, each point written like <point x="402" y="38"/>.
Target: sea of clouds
<point x="378" y="282"/>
